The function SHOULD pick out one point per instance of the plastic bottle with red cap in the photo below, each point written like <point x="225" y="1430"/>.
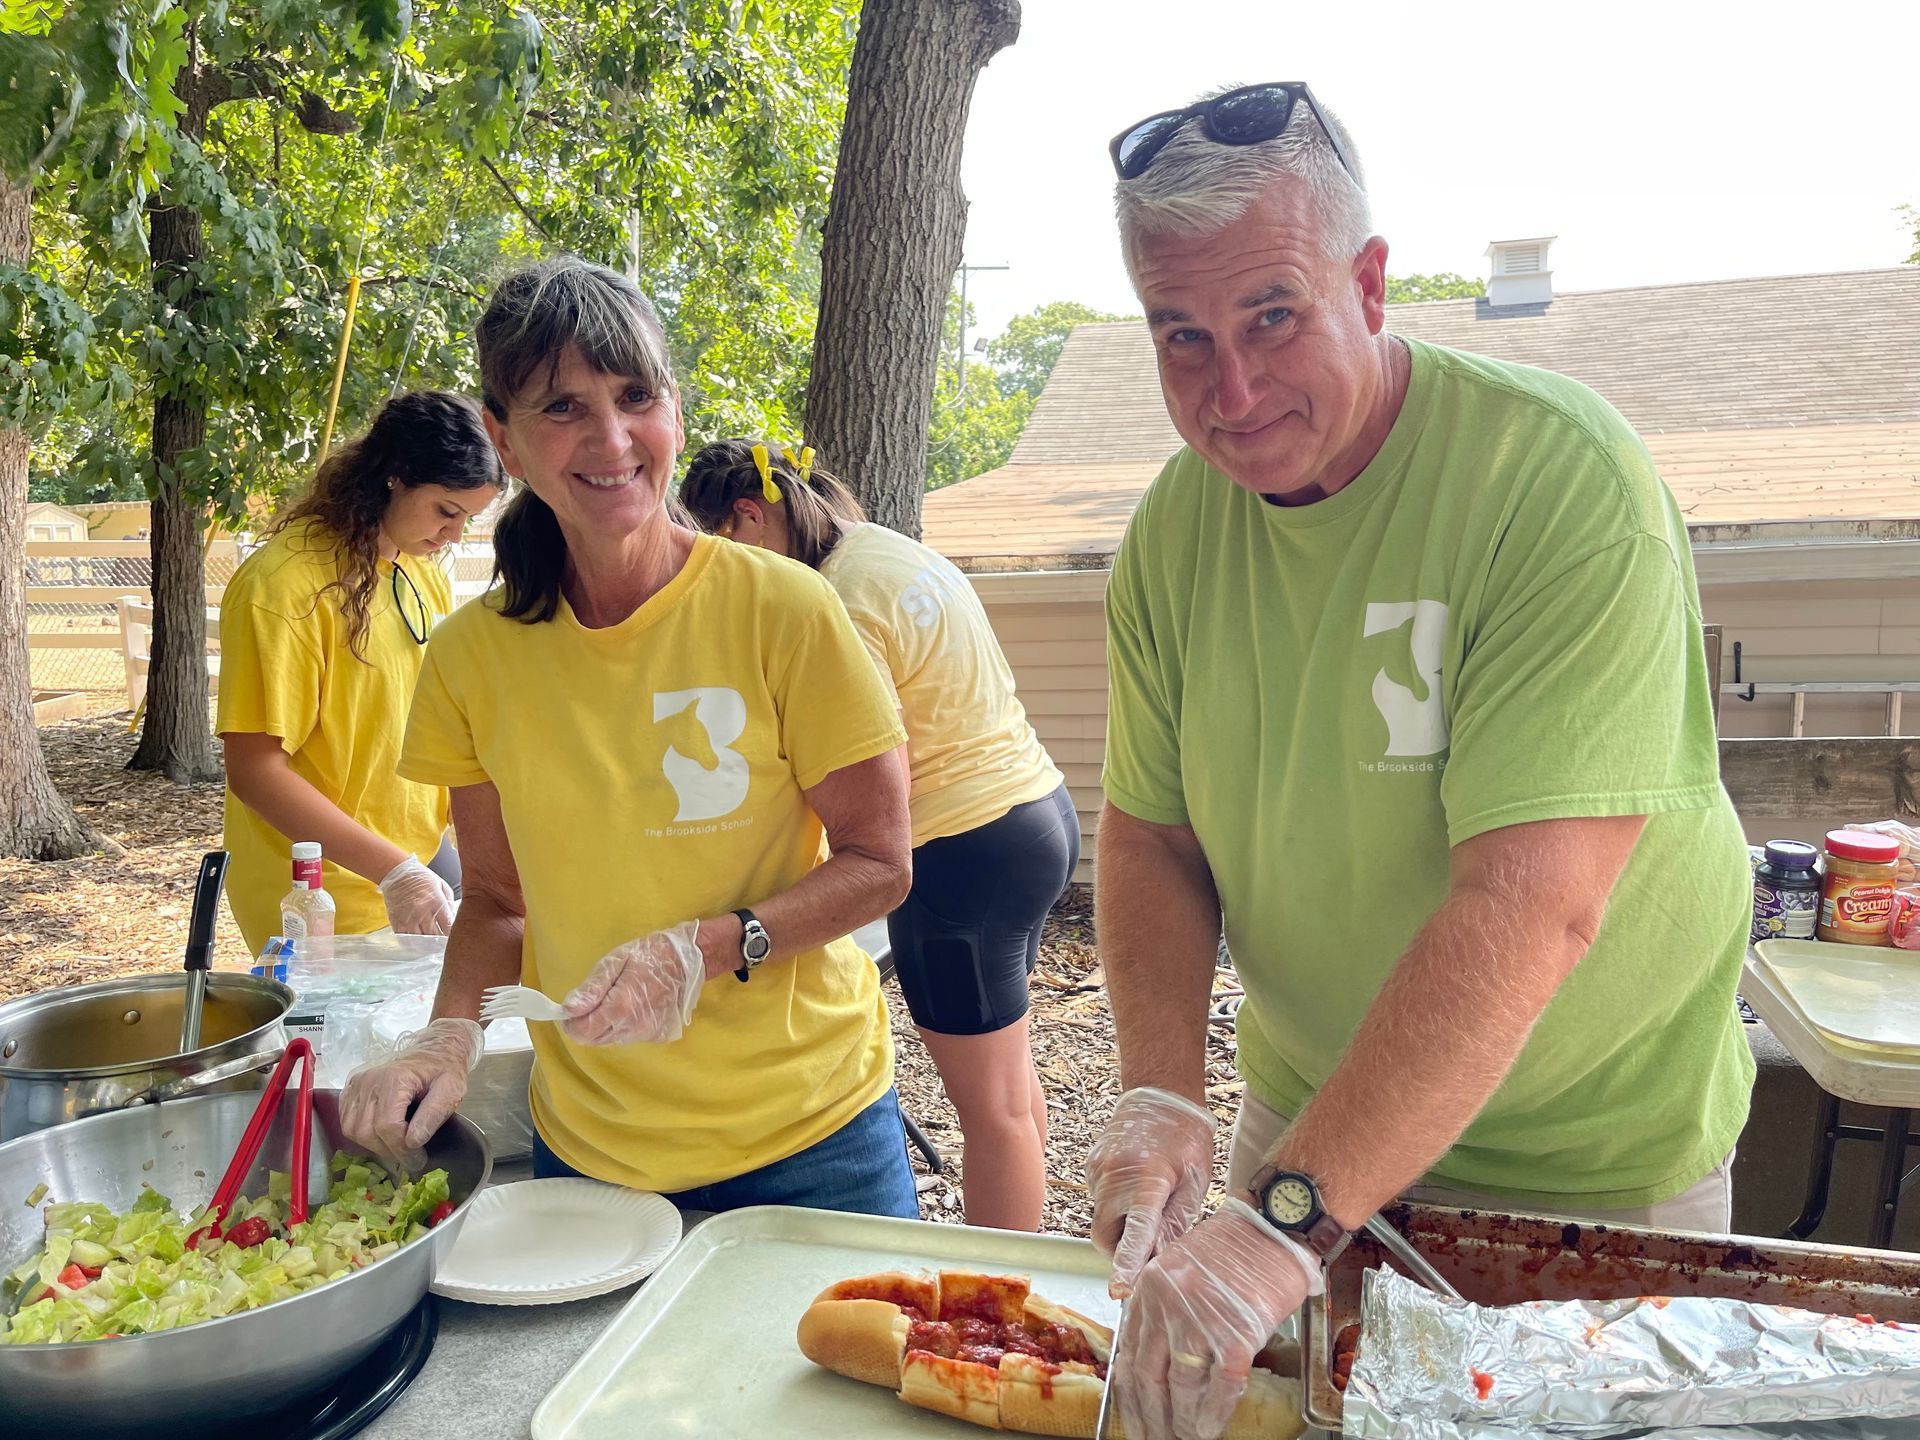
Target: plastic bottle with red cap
<point x="1856" y="906"/>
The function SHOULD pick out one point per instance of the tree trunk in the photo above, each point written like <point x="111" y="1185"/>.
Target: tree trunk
<point x="894" y="231"/>
<point x="176" y="738"/>
<point x="35" y="823"/>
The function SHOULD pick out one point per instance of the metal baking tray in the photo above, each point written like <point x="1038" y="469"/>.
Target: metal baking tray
<point x="1499" y="1259"/>
<point x="707" y="1346"/>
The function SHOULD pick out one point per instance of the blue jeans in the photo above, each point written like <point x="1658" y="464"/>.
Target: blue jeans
<point x="862" y="1167"/>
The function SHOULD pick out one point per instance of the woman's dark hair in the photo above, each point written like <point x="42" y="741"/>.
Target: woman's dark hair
<point x="532" y="319"/>
<point x="425" y="437"/>
<point x="724" y="472"/>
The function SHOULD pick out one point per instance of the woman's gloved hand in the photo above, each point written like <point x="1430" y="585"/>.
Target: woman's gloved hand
<point x="1148" y="1173"/>
<point x="1199" y="1314"/>
<point x="644" y="990"/>
<point x="430" y="1066"/>
<point x="419" y="902"/>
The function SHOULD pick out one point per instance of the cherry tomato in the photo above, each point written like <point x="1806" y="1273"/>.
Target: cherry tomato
<point x="73" y="1277"/>
<point x="249" y="1232"/>
<point x="440" y="1212"/>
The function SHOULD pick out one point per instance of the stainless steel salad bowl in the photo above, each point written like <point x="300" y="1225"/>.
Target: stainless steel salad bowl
<point x="224" y="1371"/>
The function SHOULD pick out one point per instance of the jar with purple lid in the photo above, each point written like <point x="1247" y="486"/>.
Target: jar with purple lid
<point x="1786" y="892"/>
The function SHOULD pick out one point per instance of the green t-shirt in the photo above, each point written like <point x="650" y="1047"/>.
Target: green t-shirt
<point x="1496" y="622"/>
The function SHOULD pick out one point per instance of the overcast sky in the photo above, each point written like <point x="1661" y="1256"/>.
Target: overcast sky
<point x="1661" y="142"/>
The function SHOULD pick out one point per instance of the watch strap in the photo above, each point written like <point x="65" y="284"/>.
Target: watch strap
<point x="1323" y="1235"/>
<point x="749" y="925"/>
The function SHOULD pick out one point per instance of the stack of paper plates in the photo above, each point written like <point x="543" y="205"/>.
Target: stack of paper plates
<point x="541" y="1242"/>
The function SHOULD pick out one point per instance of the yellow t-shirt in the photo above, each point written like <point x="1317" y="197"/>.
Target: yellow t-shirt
<point x="653" y="772"/>
<point x="286" y="670"/>
<point x="973" y="754"/>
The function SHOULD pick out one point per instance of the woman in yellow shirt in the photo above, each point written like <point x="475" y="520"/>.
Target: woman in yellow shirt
<point x="995" y="836"/>
<point x="649" y="734"/>
<point x="321" y="637"/>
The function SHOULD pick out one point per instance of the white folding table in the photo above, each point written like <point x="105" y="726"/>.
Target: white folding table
<point x="1843" y="1072"/>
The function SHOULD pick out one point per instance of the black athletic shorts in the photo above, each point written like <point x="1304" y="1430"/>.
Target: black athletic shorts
<point x="966" y="937"/>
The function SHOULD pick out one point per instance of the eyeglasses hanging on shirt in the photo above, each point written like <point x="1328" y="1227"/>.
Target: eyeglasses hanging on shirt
<point x="417" y="619"/>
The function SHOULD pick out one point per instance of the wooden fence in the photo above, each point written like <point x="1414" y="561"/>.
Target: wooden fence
<point x="74" y="635"/>
<point x="74" y="639"/>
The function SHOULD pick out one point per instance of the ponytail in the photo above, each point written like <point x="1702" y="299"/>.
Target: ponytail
<point x="817" y="506"/>
<point x="529" y="557"/>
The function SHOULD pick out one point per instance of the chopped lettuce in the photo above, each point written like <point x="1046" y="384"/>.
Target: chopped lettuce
<point x="140" y="1277"/>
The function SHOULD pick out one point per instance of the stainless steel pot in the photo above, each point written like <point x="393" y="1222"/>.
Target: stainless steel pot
<point x="66" y="1054"/>
<point x="220" y="1373"/>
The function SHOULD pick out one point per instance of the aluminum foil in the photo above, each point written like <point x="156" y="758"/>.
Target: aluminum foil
<point x="1694" y="1367"/>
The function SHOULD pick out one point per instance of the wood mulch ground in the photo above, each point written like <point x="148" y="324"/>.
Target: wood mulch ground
<point x="125" y="910"/>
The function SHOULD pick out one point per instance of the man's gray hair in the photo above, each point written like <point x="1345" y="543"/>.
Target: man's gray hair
<point x="1197" y="186"/>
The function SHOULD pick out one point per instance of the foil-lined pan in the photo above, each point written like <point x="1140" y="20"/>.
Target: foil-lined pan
<point x="1498" y="1260"/>
<point x="1434" y="1369"/>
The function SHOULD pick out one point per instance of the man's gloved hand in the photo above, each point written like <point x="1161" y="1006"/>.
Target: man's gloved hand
<point x="1148" y="1173"/>
<point x="430" y="1066"/>
<point x="643" y="990"/>
<point x="1198" y="1315"/>
<point x="419" y="902"/>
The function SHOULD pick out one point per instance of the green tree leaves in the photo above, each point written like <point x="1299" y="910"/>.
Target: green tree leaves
<point x="1026" y="352"/>
<point x="972" y="432"/>
<point x="697" y="135"/>
<point x="1442" y="285"/>
<point x="975" y="428"/>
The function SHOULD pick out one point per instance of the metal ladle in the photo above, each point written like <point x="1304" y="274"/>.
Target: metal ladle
<point x="206" y="909"/>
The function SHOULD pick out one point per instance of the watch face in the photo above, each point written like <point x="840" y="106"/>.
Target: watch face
<point x="757" y="944"/>
<point x="1288" y="1201"/>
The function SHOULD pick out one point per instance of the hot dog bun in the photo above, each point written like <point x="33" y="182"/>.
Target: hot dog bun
<point x="874" y="1329"/>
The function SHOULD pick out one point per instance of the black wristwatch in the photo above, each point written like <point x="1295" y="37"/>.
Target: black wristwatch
<point x="1290" y="1202"/>
<point x="755" y="945"/>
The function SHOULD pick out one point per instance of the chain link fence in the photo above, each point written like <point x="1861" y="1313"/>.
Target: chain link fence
<point x="75" y="640"/>
<point x="74" y="635"/>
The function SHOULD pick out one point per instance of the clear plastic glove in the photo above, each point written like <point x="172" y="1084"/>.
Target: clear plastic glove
<point x="419" y="902"/>
<point x="1148" y="1174"/>
<point x="430" y="1066"/>
<point x="643" y="990"/>
<point x="1199" y="1314"/>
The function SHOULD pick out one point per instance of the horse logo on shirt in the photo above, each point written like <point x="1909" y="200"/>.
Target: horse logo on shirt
<point x="709" y="779"/>
<point x="927" y="595"/>
<point x="1416" y="723"/>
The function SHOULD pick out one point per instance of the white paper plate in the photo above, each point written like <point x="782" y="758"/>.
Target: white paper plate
<point x="540" y="1242"/>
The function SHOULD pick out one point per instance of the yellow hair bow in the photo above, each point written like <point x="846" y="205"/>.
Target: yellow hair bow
<point x="769" y="491"/>
<point x="804" y="464"/>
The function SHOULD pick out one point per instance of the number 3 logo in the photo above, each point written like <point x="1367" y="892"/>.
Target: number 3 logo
<point x="1416" y="725"/>
<point x="709" y="779"/>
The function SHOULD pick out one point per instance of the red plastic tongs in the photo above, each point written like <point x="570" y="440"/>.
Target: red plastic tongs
<point x="297" y="1050"/>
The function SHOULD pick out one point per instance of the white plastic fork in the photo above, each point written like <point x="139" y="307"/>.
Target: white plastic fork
<point x="519" y="1002"/>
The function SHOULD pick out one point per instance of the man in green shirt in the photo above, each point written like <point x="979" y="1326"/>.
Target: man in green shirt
<point x="1408" y="692"/>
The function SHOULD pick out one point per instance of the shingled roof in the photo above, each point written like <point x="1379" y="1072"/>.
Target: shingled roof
<point x="1790" y="398"/>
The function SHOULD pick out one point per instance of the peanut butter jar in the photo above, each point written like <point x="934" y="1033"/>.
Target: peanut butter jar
<point x="1856" y="905"/>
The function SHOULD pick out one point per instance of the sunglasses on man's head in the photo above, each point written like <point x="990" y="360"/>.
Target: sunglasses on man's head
<point x="1240" y="117"/>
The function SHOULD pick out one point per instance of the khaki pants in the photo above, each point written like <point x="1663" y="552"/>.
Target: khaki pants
<point x="1706" y="1206"/>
